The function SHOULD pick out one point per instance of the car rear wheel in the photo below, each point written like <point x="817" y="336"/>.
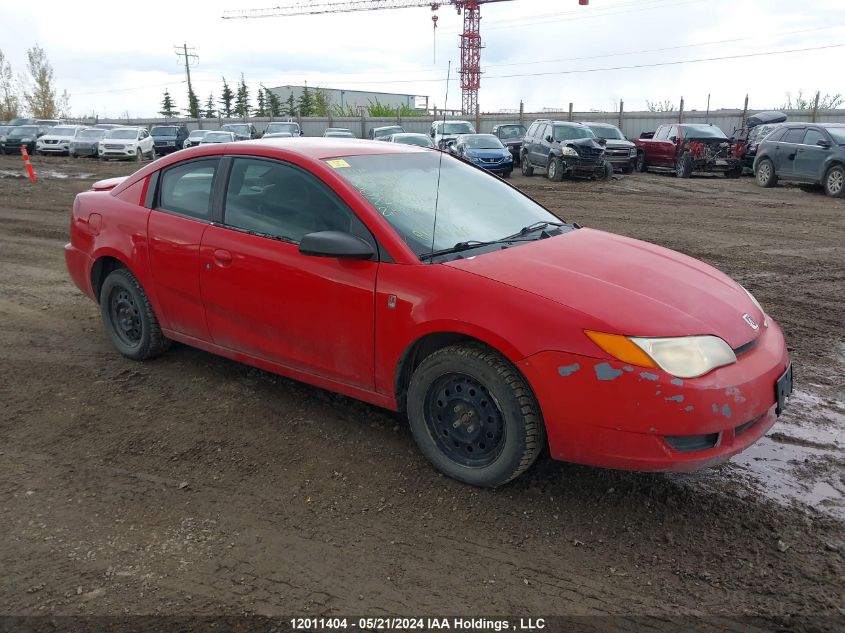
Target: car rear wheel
<point x="129" y="319"/>
<point x="473" y="415"/>
<point x="766" y="176"/>
<point x="527" y="167"/>
<point x="834" y="182"/>
<point x="555" y="169"/>
<point x="683" y="168"/>
<point x="640" y="164"/>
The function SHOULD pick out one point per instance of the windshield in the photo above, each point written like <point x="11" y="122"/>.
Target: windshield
<point x="572" y="132"/>
<point x="63" y="131"/>
<point x="124" y="134"/>
<point x="838" y="134"/>
<point x="471" y="204"/>
<point x="387" y="131"/>
<point x="293" y="128"/>
<point x="511" y="131"/>
<point x="413" y="139"/>
<point x="237" y="129"/>
<point x="338" y="133"/>
<point x="218" y="136"/>
<point x="92" y="134"/>
<point x="169" y="130"/>
<point x="5" y="128"/>
<point x="197" y="134"/>
<point x="703" y="131"/>
<point x="483" y="141"/>
<point x="610" y="132"/>
<point x="458" y="127"/>
<point x="24" y="130"/>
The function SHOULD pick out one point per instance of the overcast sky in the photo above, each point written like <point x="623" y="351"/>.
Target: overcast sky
<point x="115" y="57"/>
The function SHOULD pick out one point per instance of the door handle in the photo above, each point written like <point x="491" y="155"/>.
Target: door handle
<point x="222" y="257"/>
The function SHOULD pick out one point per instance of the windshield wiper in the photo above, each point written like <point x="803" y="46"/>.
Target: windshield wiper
<point x="516" y="237"/>
<point x="537" y="226"/>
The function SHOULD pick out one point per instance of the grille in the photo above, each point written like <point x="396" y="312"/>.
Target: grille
<point x="617" y="152"/>
<point x="114" y="146"/>
<point x="590" y="152"/>
<point x="50" y="142"/>
<point x="691" y="443"/>
<point x="491" y="160"/>
<point x="742" y="428"/>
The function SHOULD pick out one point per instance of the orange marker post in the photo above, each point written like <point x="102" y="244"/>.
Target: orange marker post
<point x="26" y="162"/>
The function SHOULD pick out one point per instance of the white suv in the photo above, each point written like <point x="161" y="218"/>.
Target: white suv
<point x="443" y="132"/>
<point x="58" y="139"/>
<point x="127" y="143"/>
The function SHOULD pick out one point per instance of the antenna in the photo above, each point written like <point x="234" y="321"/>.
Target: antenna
<point x="440" y="163"/>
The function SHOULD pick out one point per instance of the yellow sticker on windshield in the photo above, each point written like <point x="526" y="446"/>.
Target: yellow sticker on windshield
<point x="337" y="163"/>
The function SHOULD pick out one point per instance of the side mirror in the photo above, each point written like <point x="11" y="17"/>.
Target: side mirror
<point x="335" y="244"/>
<point x="602" y="141"/>
<point x="674" y="139"/>
<point x="823" y="143"/>
<point x="549" y="139"/>
<point x="431" y="134"/>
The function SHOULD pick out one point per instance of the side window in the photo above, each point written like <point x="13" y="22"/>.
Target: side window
<point x="795" y="135"/>
<point x="776" y="135"/>
<point x="186" y="188"/>
<point x="813" y="136"/>
<point x="532" y="130"/>
<point x="544" y="131"/>
<point x="662" y="133"/>
<point x="673" y="131"/>
<point x="278" y="200"/>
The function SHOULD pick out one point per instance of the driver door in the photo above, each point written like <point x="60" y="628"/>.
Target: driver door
<point x="264" y="298"/>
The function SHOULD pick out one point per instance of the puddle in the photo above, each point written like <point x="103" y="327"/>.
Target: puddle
<point x="43" y="173"/>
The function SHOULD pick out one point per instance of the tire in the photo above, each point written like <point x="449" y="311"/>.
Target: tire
<point x="129" y="319"/>
<point x="683" y="168"/>
<point x="527" y="167"/>
<point x="607" y="174"/>
<point x="834" y="182"/>
<point x="765" y="174"/>
<point x="139" y="155"/>
<point x="555" y="169"/>
<point x="736" y="172"/>
<point x="640" y="164"/>
<point x="627" y="168"/>
<point x="507" y="174"/>
<point x="473" y="381"/>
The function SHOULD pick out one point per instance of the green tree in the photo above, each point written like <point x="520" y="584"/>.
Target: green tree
<point x="210" y="112"/>
<point x="322" y="102"/>
<point x="40" y="96"/>
<point x="275" y="104"/>
<point x="306" y="102"/>
<point x="168" y="107"/>
<point x="347" y="111"/>
<point x="193" y="105"/>
<point x="261" y="110"/>
<point x="227" y="98"/>
<point x="290" y="105"/>
<point x="242" y="107"/>
<point x="10" y="101"/>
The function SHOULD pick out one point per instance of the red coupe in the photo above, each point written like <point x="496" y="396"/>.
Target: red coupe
<point x="409" y="279"/>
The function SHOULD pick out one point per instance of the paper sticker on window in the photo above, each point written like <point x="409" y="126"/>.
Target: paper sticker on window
<point x="337" y="163"/>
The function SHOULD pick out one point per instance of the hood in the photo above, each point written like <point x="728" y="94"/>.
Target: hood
<point x="164" y="137"/>
<point x="634" y="287"/>
<point x="55" y="137"/>
<point x="584" y="142"/>
<point x="487" y="153"/>
<point x="619" y="143"/>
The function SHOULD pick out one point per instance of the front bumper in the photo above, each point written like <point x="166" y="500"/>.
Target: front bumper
<point x="127" y="152"/>
<point x="500" y="167"/>
<point x="84" y="150"/>
<point x="166" y="147"/>
<point x="581" y="167"/>
<point x="61" y="147"/>
<point x="608" y="414"/>
<point x="14" y="147"/>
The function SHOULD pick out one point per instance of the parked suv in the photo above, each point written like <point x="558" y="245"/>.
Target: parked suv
<point x="242" y="131"/>
<point x="126" y="143"/>
<point x="805" y="152"/>
<point x="86" y="142"/>
<point x="621" y="152"/>
<point x="23" y="136"/>
<point x="745" y="140"/>
<point x="564" y="149"/>
<point x="381" y="133"/>
<point x="280" y="127"/>
<point x="168" y="138"/>
<point x="57" y="140"/>
<point x="442" y="132"/>
<point x="511" y="135"/>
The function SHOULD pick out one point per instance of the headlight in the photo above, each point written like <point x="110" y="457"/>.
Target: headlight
<point x="759" y="307"/>
<point x="632" y="152"/>
<point x="682" y="356"/>
<point x="568" y="151"/>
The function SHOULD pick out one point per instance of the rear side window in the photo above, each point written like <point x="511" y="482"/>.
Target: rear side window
<point x="662" y="133"/>
<point x="186" y="188"/>
<point x="813" y="136"/>
<point x="776" y="135"/>
<point x="532" y="130"/>
<point x="795" y="135"/>
<point x="282" y="201"/>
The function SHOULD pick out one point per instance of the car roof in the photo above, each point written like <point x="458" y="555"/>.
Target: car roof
<point x="566" y="123"/>
<point x="606" y="123"/>
<point x="319" y="148"/>
<point x="410" y="134"/>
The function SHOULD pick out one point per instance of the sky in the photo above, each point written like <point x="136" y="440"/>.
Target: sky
<point x="115" y="59"/>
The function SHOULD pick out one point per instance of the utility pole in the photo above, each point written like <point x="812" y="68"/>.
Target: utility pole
<point x="182" y="51"/>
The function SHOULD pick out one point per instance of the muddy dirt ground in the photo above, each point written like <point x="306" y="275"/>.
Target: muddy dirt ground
<point x="195" y="485"/>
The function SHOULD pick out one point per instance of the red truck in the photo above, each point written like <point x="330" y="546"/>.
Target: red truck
<point x="686" y="148"/>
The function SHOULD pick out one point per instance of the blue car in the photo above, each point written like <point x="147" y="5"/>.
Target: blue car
<point x="485" y="151"/>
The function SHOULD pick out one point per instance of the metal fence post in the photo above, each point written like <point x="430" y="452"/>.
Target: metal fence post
<point x="363" y="124"/>
<point x="570" y="110"/>
<point x="521" y="113"/>
<point x="477" y="118"/>
<point x="681" y="112"/>
<point x="815" y="107"/>
<point x="621" y="112"/>
<point x="744" y="112"/>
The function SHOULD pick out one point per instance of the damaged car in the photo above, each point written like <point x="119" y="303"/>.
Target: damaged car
<point x="564" y="149"/>
<point x="685" y="149"/>
<point x="745" y="140"/>
<point x="621" y="152"/>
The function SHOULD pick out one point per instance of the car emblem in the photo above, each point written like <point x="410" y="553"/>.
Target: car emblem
<point x="751" y="322"/>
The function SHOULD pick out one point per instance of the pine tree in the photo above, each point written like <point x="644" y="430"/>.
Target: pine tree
<point x="226" y="99"/>
<point x="168" y="107"/>
<point x="262" y="104"/>
<point x="193" y="105"/>
<point x="290" y="105"/>
<point x="322" y="102"/>
<point x="306" y="103"/>
<point x="210" y="112"/>
<point x="275" y="106"/>
<point x="242" y="107"/>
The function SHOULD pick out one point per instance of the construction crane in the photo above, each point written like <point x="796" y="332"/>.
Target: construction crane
<point x="470" y="70"/>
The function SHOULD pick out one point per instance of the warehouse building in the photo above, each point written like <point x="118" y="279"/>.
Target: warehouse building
<point x="356" y="99"/>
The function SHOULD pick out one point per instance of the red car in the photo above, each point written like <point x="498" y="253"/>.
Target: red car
<point x="409" y="279"/>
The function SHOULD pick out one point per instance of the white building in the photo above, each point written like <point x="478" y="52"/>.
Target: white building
<point x="357" y="99"/>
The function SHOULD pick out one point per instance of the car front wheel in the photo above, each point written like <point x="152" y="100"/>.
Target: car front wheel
<point x="473" y="415"/>
<point x="640" y="164"/>
<point x="684" y="166"/>
<point x="765" y="174"/>
<point x="129" y="319"/>
<point x="555" y="170"/>
<point x="527" y="167"/>
<point x="834" y="182"/>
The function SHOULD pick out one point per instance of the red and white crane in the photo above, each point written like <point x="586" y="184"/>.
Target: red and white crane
<point x="470" y="69"/>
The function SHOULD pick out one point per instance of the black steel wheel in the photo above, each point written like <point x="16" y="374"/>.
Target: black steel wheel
<point x="128" y="317"/>
<point x="473" y="415"/>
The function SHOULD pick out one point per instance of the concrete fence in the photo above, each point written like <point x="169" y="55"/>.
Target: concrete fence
<point x="632" y="124"/>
